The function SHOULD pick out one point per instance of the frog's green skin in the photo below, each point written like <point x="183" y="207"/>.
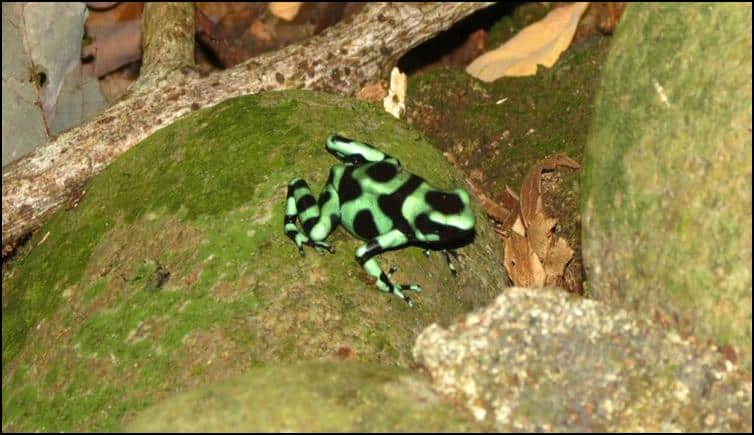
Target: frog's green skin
<point x="379" y="202"/>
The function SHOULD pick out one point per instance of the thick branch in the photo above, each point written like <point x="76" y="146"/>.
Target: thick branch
<point x="167" y="41"/>
<point x="341" y="60"/>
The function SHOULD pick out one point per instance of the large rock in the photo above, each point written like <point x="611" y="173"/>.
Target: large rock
<point x="543" y="360"/>
<point x="311" y="397"/>
<point x="667" y="176"/>
<point x="174" y="270"/>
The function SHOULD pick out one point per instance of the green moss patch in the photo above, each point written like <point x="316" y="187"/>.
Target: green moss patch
<point x="320" y="397"/>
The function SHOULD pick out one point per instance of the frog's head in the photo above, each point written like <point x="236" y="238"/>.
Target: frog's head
<point x="450" y="221"/>
<point x="352" y="151"/>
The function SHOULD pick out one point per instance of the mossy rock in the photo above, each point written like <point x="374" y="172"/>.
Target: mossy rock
<point x="667" y="175"/>
<point x="174" y="270"/>
<point x="311" y="397"/>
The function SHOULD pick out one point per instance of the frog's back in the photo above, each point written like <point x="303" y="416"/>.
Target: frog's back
<point x="373" y="196"/>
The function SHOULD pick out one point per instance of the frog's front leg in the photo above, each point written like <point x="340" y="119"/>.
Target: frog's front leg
<point x="318" y="218"/>
<point x="365" y="256"/>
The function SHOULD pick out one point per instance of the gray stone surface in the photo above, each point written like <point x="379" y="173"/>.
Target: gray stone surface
<point x="543" y="360"/>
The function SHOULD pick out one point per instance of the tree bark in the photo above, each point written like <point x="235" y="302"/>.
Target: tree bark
<point x="340" y="60"/>
<point x="167" y="31"/>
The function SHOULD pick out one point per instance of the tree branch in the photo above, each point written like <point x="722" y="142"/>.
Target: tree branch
<point x="167" y="42"/>
<point x="340" y="60"/>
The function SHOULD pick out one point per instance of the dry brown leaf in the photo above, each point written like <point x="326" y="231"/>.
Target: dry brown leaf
<point x="373" y="92"/>
<point x="511" y="204"/>
<point x="557" y="259"/>
<point x="285" y="10"/>
<point x="518" y="227"/>
<point x="530" y="242"/>
<point x="521" y="263"/>
<point x="494" y="210"/>
<point x="509" y="198"/>
<point x="560" y="160"/>
<point x="532" y="257"/>
<point x="531" y="195"/>
<point x="539" y="234"/>
<point x="540" y="43"/>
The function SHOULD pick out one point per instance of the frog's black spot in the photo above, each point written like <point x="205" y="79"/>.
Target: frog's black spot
<point x="334" y="220"/>
<point x="348" y="189"/>
<point x="290" y="219"/>
<point x="305" y="202"/>
<point x="309" y="224"/>
<point x="382" y="172"/>
<point x="391" y="204"/>
<point x="450" y="237"/>
<point x="444" y="202"/>
<point x="425" y="225"/>
<point x="364" y="225"/>
<point x="297" y="185"/>
<point x="330" y="178"/>
<point x="324" y="197"/>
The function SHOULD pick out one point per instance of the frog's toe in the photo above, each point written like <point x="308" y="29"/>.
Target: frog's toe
<point x="320" y="246"/>
<point x="416" y="288"/>
<point x="301" y="250"/>
<point x="409" y="302"/>
<point x="397" y="291"/>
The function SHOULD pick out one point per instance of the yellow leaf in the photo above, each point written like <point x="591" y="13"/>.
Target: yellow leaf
<point x="285" y="10"/>
<point x="540" y="43"/>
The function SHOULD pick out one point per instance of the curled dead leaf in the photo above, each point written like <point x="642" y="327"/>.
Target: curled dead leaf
<point x="499" y="213"/>
<point x="539" y="234"/>
<point x="531" y="190"/>
<point x="558" y="257"/>
<point x="533" y="256"/>
<point x="521" y="263"/>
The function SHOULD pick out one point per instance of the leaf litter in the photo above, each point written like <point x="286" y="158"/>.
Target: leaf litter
<point x="534" y="255"/>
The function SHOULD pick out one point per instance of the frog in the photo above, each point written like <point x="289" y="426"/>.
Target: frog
<point x="382" y="204"/>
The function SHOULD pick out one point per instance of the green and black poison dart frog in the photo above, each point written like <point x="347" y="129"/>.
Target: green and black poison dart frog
<point x="379" y="202"/>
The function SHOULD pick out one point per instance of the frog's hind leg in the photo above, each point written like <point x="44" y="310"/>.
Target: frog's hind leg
<point x="447" y="253"/>
<point x="318" y="218"/>
<point x="365" y="256"/>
